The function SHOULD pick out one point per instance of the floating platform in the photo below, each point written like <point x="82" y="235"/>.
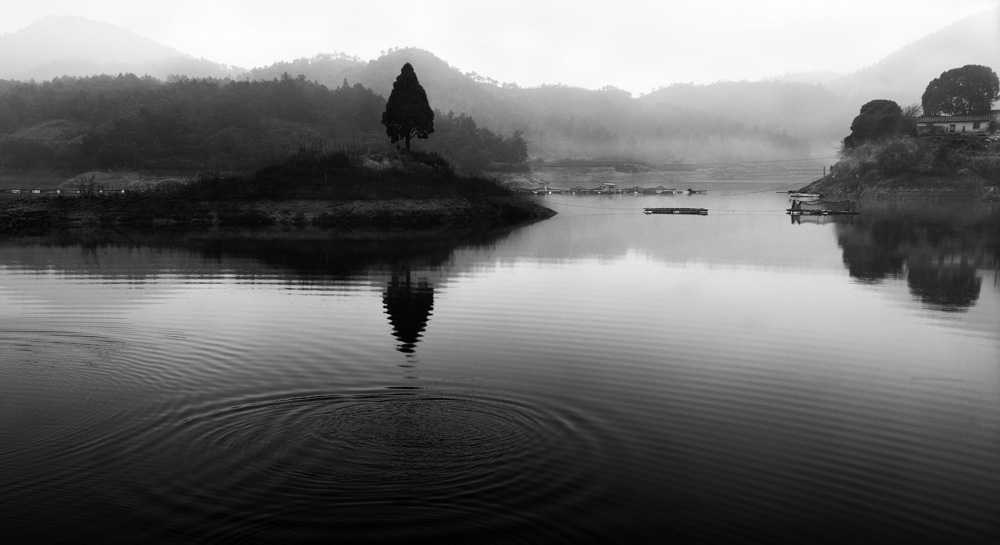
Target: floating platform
<point x="796" y="212"/>
<point x="693" y="211"/>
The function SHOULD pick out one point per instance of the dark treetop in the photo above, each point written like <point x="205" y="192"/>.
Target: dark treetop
<point x="407" y="113"/>
<point x="879" y="119"/>
<point x="969" y="90"/>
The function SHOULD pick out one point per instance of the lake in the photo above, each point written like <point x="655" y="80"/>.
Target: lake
<point x="601" y="376"/>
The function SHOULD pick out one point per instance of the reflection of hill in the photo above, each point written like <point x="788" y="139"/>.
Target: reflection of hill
<point x="940" y="248"/>
<point x="311" y="254"/>
<point x="409" y="305"/>
<point x="307" y="257"/>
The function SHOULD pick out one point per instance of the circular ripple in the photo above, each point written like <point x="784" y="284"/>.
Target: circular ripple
<point x="414" y="459"/>
<point x="399" y="439"/>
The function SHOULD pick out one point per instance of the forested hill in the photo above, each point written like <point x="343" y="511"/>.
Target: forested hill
<point x="203" y="124"/>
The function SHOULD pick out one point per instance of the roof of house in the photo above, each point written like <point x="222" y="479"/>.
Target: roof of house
<point x="953" y="118"/>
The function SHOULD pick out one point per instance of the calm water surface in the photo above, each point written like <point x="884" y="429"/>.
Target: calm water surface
<point x="599" y="376"/>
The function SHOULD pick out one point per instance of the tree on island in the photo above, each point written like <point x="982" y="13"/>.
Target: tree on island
<point x="407" y="113"/>
<point x="969" y="90"/>
<point x="879" y="119"/>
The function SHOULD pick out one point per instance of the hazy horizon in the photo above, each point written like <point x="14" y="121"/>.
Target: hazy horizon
<point x="589" y="45"/>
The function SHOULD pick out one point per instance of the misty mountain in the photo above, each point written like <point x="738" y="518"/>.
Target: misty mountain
<point x="822" y="112"/>
<point x="560" y="121"/>
<point x="811" y="111"/>
<point x="76" y="46"/>
<point x="903" y="75"/>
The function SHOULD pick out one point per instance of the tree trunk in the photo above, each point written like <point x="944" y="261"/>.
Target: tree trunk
<point x="407" y="142"/>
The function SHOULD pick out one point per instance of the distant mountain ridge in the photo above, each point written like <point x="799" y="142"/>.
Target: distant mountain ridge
<point x="776" y="119"/>
<point x="75" y="46"/>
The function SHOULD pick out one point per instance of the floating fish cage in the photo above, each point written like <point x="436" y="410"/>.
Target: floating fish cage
<point x="692" y="211"/>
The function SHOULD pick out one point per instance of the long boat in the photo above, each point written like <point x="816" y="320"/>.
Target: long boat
<point x="693" y="211"/>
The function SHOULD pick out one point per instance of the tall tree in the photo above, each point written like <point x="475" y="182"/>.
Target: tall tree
<point x="407" y="113"/>
<point x="969" y="90"/>
<point x="879" y="119"/>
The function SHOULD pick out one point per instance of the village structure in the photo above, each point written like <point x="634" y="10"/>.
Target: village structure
<point x="959" y="125"/>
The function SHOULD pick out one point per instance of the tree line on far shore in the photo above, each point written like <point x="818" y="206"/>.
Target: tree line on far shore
<point x="132" y="122"/>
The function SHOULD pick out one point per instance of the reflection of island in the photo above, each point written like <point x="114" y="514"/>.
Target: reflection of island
<point x="409" y="305"/>
<point x="306" y="258"/>
<point x="939" y="248"/>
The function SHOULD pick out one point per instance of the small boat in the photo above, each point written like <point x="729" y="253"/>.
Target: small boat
<point x="693" y="211"/>
<point x="800" y="196"/>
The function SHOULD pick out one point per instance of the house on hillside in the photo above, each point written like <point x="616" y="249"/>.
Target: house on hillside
<point x="958" y="125"/>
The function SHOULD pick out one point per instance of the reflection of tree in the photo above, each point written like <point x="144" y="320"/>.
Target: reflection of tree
<point x="945" y="287"/>
<point x="939" y="247"/>
<point x="409" y="307"/>
<point x="871" y="251"/>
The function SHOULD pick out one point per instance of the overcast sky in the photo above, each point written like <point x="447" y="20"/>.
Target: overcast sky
<point x="632" y="44"/>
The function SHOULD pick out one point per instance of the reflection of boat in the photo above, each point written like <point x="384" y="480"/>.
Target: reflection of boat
<point x="822" y="208"/>
<point x="698" y="211"/>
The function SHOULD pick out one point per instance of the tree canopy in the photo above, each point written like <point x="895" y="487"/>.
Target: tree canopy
<point x="969" y="90"/>
<point x="879" y="119"/>
<point x="474" y="148"/>
<point x="407" y="112"/>
<point x="186" y="124"/>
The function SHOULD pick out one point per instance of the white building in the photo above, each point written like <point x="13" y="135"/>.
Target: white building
<point x="958" y="125"/>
